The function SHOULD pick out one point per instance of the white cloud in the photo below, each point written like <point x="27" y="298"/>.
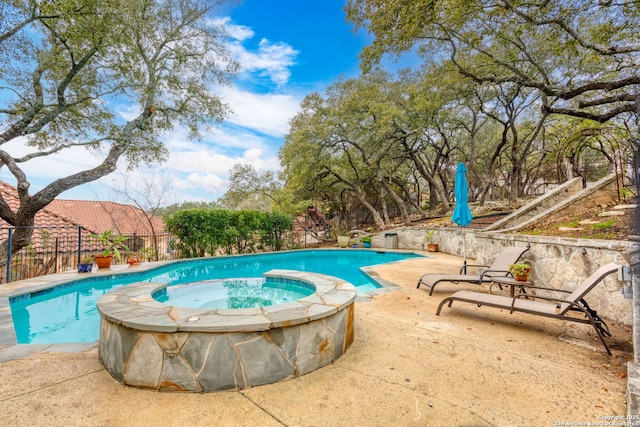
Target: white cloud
<point x="271" y="59"/>
<point x="203" y="175"/>
<point x="266" y="113"/>
<point x="204" y="161"/>
<point x="200" y="169"/>
<point x="233" y="30"/>
<point x="51" y="167"/>
<point x="212" y="183"/>
<point x="128" y="111"/>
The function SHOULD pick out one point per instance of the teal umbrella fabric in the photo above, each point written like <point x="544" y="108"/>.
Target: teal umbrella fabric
<point x="462" y="214"/>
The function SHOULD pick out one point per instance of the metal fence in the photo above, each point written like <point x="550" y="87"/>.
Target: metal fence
<point x="60" y="249"/>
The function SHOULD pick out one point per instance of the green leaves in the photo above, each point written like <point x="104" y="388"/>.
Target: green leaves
<point x="579" y="53"/>
<point x="202" y="232"/>
<point x="112" y="243"/>
<point x="68" y="67"/>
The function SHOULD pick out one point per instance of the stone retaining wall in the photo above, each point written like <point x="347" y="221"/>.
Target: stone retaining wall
<point x="562" y="263"/>
<point x="561" y="204"/>
<point x="549" y="201"/>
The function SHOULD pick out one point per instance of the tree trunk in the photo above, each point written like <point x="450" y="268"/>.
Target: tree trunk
<point x="23" y="219"/>
<point x="362" y="198"/>
<point x="404" y="212"/>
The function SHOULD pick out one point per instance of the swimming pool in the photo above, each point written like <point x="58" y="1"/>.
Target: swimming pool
<point x="68" y="313"/>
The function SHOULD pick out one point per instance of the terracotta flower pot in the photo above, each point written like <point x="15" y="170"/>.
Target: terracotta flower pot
<point x="103" y="261"/>
<point x="522" y="277"/>
<point x="432" y="247"/>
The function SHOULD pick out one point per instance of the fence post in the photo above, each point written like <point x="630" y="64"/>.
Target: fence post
<point x="55" y="255"/>
<point x="79" y="245"/>
<point x="9" y="244"/>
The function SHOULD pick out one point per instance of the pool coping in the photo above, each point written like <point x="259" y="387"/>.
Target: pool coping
<point x="27" y="286"/>
<point x="134" y="307"/>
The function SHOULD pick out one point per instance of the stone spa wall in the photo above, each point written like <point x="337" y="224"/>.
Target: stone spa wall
<point x="148" y="344"/>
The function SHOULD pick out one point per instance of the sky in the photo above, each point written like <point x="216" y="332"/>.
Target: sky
<point x="286" y="49"/>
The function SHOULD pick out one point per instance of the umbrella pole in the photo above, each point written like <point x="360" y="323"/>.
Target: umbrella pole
<point x="464" y="251"/>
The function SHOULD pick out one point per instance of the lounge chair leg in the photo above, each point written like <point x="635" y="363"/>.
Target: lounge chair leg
<point x="598" y="331"/>
<point x="443" y="302"/>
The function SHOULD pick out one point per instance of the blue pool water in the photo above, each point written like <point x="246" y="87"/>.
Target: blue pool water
<point x="235" y="293"/>
<point x="68" y="313"/>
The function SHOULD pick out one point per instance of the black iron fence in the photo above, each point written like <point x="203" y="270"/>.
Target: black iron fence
<point x="60" y="249"/>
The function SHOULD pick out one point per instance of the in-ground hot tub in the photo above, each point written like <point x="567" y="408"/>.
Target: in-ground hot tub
<point x="148" y="344"/>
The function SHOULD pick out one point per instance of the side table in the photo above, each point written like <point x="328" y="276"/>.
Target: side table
<point x="509" y="281"/>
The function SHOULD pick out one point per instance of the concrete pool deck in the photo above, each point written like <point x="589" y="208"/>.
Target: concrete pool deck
<point x="469" y="366"/>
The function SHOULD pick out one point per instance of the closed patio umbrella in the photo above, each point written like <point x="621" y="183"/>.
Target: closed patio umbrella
<point x="462" y="214"/>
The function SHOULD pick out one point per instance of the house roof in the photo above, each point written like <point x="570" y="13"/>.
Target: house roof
<point x="95" y="216"/>
<point x="100" y="216"/>
<point x="43" y="218"/>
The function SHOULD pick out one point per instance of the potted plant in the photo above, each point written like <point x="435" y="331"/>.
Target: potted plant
<point x="113" y="244"/>
<point x="86" y="265"/>
<point x="520" y="271"/>
<point x="133" y="259"/>
<point x="366" y="241"/>
<point x="431" y="247"/>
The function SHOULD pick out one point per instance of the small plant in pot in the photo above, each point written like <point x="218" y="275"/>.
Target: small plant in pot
<point x="85" y="265"/>
<point x="431" y="247"/>
<point x="133" y="258"/>
<point x="366" y="241"/>
<point x="520" y="271"/>
<point x="113" y="244"/>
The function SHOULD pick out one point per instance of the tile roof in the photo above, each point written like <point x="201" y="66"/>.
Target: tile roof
<point x="95" y="216"/>
<point x="100" y="216"/>
<point x="44" y="217"/>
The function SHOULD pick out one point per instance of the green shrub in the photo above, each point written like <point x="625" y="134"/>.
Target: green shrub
<point x="200" y="232"/>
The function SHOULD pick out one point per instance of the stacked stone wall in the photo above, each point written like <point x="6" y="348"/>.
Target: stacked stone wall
<point x="561" y="263"/>
<point x="147" y="344"/>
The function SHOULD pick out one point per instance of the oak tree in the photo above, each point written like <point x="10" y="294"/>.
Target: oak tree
<point x="68" y="68"/>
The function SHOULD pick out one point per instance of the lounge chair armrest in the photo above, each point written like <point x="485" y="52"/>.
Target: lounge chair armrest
<point x="544" y="288"/>
<point x="463" y="269"/>
<point x="492" y="271"/>
<point x="558" y="301"/>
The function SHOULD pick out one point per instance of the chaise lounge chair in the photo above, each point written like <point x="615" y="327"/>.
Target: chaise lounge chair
<point x="558" y="308"/>
<point x="499" y="267"/>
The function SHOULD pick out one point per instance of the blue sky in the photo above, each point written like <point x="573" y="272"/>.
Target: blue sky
<point x="286" y="50"/>
<point x="326" y="45"/>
